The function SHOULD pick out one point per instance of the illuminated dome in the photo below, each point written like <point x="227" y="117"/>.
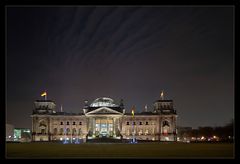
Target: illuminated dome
<point x="103" y="101"/>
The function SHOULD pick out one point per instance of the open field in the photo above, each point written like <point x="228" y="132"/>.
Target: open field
<point x="109" y="150"/>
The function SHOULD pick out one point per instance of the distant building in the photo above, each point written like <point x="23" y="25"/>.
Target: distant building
<point x="22" y="135"/>
<point x="103" y="118"/>
<point x="184" y="133"/>
<point x="9" y="132"/>
<point x="183" y="129"/>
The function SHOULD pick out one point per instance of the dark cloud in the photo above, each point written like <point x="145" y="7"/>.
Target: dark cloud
<point x="79" y="53"/>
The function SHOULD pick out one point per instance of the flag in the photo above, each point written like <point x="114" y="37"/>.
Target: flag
<point x="133" y="108"/>
<point x="44" y="94"/>
<point x="162" y="94"/>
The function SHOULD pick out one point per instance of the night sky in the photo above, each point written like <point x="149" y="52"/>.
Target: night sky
<point x="129" y="53"/>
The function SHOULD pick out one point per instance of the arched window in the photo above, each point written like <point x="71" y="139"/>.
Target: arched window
<point x="42" y="123"/>
<point x="146" y="123"/>
<point x="127" y="123"/>
<point x="67" y="123"/>
<point x="67" y="131"/>
<point x="165" y="123"/>
<point x="61" y="123"/>
<point x="165" y="128"/>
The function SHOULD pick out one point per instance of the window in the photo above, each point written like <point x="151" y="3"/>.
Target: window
<point x="134" y="123"/>
<point x="55" y="131"/>
<point x="80" y="123"/>
<point x="43" y="131"/>
<point x="165" y="123"/>
<point x="140" y="123"/>
<point x="61" y="131"/>
<point x="74" y="123"/>
<point x="74" y="132"/>
<point x="146" y="123"/>
<point x="61" y="123"/>
<point x="67" y="123"/>
<point x="67" y="131"/>
<point x="127" y="123"/>
<point x="146" y="132"/>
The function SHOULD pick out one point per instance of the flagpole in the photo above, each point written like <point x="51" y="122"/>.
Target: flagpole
<point x="133" y="138"/>
<point x="46" y="95"/>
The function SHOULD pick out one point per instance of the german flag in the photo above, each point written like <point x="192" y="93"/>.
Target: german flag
<point x="44" y="94"/>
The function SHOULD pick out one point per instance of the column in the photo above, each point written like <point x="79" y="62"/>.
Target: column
<point x="94" y="125"/>
<point x="100" y="125"/>
<point x="114" y="132"/>
<point x="118" y="124"/>
<point x="107" y="125"/>
<point x="89" y="124"/>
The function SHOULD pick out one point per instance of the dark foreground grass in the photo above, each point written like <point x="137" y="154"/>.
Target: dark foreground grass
<point x="106" y="150"/>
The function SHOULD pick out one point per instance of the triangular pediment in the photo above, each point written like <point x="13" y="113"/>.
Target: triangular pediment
<point x="103" y="110"/>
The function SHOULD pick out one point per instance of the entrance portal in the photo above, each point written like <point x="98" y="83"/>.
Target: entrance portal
<point x="104" y="127"/>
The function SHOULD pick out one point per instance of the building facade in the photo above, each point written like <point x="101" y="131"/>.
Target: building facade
<point x="9" y="132"/>
<point x="22" y="135"/>
<point x="104" y="118"/>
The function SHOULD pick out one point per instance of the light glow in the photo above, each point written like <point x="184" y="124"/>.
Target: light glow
<point x="103" y="102"/>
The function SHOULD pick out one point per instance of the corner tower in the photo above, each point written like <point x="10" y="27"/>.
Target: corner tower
<point x="167" y="119"/>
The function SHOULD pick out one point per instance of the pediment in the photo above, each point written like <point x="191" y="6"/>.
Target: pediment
<point x="103" y="110"/>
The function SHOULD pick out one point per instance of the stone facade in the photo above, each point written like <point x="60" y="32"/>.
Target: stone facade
<point x="103" y="118"/>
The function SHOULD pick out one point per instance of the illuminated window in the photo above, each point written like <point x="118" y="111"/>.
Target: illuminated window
<point x="61" y="131"/>
<point x="67" y="131"/>
<point x="146" y="132"/>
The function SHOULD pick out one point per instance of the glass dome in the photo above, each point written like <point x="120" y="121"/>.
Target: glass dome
<point x="103" y="101"/>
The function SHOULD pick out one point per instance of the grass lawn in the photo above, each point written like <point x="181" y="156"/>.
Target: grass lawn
<point x="119" y="150"/>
